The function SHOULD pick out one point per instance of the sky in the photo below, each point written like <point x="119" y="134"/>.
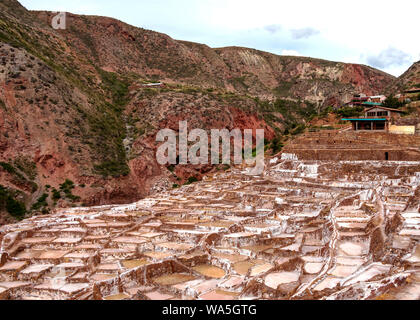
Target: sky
<point x="381" y="33"/>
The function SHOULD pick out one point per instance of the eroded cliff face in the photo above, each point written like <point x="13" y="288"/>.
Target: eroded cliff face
<point x="77" y="127"/>
<point x="315" y="80"/>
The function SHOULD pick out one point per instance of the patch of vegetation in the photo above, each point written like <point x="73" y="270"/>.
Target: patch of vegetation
<point x="150" y="92"/>
<point x="392" y="102"/>
<point x="226" y="167"/>
<point x="189" y="90"/>
<point x="276" y="145"/>
<point x="56" y="195"/>
<point x="117" y="87"/>
<point x="410" y="110"/>
<point x="27" y="166"/>
<point x="34" y="186"/>
<point x="283" y="89"/>
<point x="109" y="130"/>
<point x="9" y="203"/>
<point x="239" y="82"/>
<point x="112" y="168"/>
<point x="41" y="203"/>
<point x="295" y="129"/>
<point x="294" y="113"/>
<point x="286" y="117"/>
<point x="19" y="177"/>
<point x="2" y="105"/>
<point x="324" y="113"/>
<point x="12" y="170"/>
<point x="348" y="112"/>
<point x="319" y="128"/>
<point x="86" y="39"/>
<point x="107" y="138"/>
<point x="190" y="180"/>
<point x="67" y="187"/>
<point x="9" y="168"/>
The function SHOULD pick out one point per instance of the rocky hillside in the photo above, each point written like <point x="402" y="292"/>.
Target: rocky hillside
<point x="121" y="48"/>
<point x="77" y="126"/>
<point x="409" y="79"/>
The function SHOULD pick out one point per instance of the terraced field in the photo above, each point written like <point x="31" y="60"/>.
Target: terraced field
<point x="302" y="230"/>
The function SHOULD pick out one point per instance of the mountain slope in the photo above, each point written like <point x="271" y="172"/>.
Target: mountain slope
<point x="409" y="79"/>
<point x="77" y="126"/>
<point x="118" y="47"/>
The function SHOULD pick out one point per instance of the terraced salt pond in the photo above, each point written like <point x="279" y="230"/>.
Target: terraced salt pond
<point x="303" y="230"/>
<point x="172" y="279"/>
<point x="210" y="271"/>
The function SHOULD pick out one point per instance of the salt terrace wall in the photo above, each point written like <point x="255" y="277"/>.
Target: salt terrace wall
<point x="341" y="146"/>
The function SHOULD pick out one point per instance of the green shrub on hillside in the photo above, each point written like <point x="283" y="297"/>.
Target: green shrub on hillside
<point x="56" y="194"/>
<point x="276" y="145"/>
<point x="27" y="166"/>
<point x="117" y="87"/>
<point x="112" y="168"/>
<point x="108" y="129"/>
<point x="392" y="102"/>
<point x="348" y="112"/>
<point x="293" y="113"/>
<point x="324" y="113"/>
<point x="9" y="168"/>
<point x="8" y="202"/>
<point x="12" y="170"/>
<point x="15" y="208"/>
<point x="41" y="203"/>
<point x="283" y="89"/>
<point x="67" y="188"/>
<point x="191" y="180"/>
<point x="20" y="178"/>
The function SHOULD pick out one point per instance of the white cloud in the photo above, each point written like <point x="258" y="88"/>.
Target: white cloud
<point x="389" y="57"/>
<point x="304" y="33"/>
<point x="273" y="28"/>
<point x="290" y="53"/>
